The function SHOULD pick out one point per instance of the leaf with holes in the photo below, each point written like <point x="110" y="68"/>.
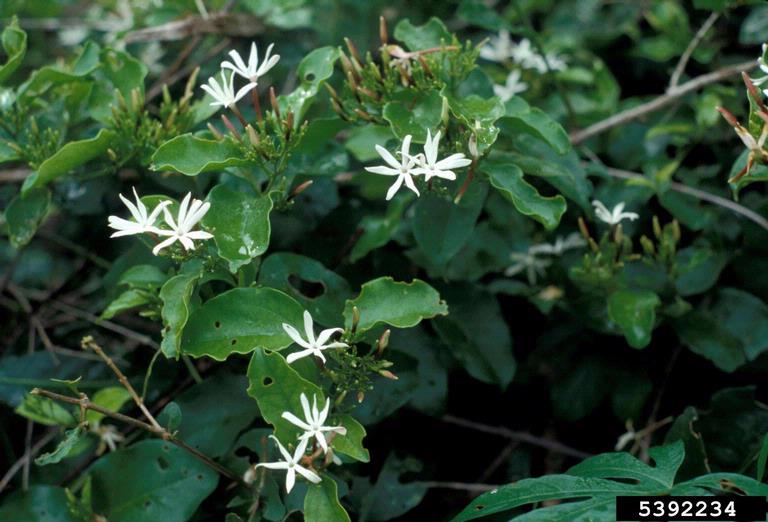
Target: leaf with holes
<point x="71" y="439"/>
<point x="317" y="289"/>
<point x="158" y="481"/>
<point x="239" y="223"/>
<point x="402" y="305"/>
<point x="313" y="70"/>
<point x="239" y="321"/>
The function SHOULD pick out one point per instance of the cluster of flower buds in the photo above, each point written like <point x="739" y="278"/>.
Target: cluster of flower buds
<point x="755" y="145"/>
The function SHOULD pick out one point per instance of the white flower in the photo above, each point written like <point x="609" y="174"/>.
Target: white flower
<point x="754" y="145"/>
<point x="181" y="227"/>
<point x="313" y="425"/>
<point x="252" y="71"/>
<point x="527" y="261"/>
<point x="512" y="86"/>
<point x="224" y="94"/>
<point x="143" y="222"/>
<point x="431" y="167"/>
<point x="498" y="48"/>
<point x="524" y="54"/>
<point x="763" y="67"/>
<point x="403" y="170"/>
<point x="615" y="216"/>
<point x="561" y="244"/>
<point x="109" y="437"/>
<point x="291" y="464"/>
<point x="312" y="346"/>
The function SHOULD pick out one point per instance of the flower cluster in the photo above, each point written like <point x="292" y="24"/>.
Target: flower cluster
<point x="535" y="266"/>
<point x="425" y="164"/>
<point x="224" y="94"/>
<point x="313" y="426"/>
<point x="501" y="48"/>
<point x="179" y="228"/>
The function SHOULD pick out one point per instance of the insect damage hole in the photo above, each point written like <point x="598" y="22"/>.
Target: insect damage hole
<point x="267" y="381"/>
<point x="233" y="342"/>
<point x="217" y="324"/>
<point x="163" y="463"/>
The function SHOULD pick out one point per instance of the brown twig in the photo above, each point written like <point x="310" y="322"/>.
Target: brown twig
<point x="89" y="344"/>
<point x="228" y="24"/>
<point x="159" y="431"/>
<point x="697" y="38"/>
<point x="519" y="436"/>
<point x="660" y="101"/>
<point x="463" y="486"/>
<point x="157" y="89"/>
<point x="19" y="464"/>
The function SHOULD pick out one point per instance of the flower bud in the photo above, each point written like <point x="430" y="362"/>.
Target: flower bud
<point x="383" y="341"/>
<point x="383" y="32"/>
<point x="388" y="375"/>
<point x="273" y="102"/>
<point x="360" y="396"/>
<point x="216" y="134"/>
<point x="355" y="318"/>
<point x="253" y="136"/>
<point x="444" y="115"/>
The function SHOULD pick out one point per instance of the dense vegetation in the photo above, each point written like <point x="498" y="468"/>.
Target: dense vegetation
<point x="338" y="260"/>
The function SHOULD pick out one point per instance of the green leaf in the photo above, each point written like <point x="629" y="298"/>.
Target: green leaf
<point x="635" y="313"/>
<point x="379" y="230"/>
<point x="170" y="417"/>
<point x="362" y="141"/>
<point x="745" y="317"/>
<point x="477" y="335"/>
<point x="290" y="272"/>
<point x="419" y="37"/>
<point x="389" y="498"/>
<point x="754" y="27"/>
<point x="24" y="215"/>
<point x="479" y="114"/>
<point x="313" y="70"/>
<point x="698" y="269"/>
<point x="350" y="444"/>
<point x="276" y="386"/>
<point x="321" y="504"/>
<point x="158" y="481"/>
<point x="45" y="411"/>
<point x="38" y="504"/>
<point x="592" y="486"/>
<point x="214" y="413"/>
<point x="762" y="458"/>
<point x="520" y="117"/>
<point x="128" y="300"/>
<point x="507" y="178"/>
<point x="70" y="156"/>
<point x="175" y="295"/>
<point x="413" y="113"/>
<point x="239" y="321"/>
<point x="71" y="439"/>
<point x="441" y="228"/>
<point x="709" y="339"/>
<point x="401" y="305"/>
<point x="112" y="398"/>
<point x="239" y="223"/>
<point x="14" y="41"/>
<point x="147" y="277"/>
<point x="53" y="75"/>
<point x="190" y="155"/>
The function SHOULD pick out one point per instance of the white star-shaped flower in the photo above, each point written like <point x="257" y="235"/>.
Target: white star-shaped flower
<point x="181" y="227"/>
<point x="225" y="94"/>
<point x="143" y="222"/>
<point x="313" y="425"/>
<point x="498" y="48"/>
<point x="291" y="464"/>
<point x="528" y="262"/>
<point x="312" y="346"/>
<point x="431" y="167"/>
<point x="404" y="170"/>
<point x="251" y="71"/>
<point x="761" y="62"/>
<point x="512" y="86"/>
<point x="615" y="216"/>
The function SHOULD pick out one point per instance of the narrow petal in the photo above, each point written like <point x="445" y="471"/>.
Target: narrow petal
<point x="308" y="474"/>
<point x="386" y="171"/>
<point x="326" y="334"/>
<point x="156" y="212"/>
<point x="199" y="234"/>
<point x="309" y="327"/>
<point x="388" y="157"/>
<point x="320" y="438"/>
<point x="272" y="465"/>
<point x="294" y="334"/>
<point x="293" y="419"/>
<point x="410" y="184"/>
<point x="405" y="149"/>
<point x="163" y="244"/>
<point x="395" y="187"/>
<point x="295" y="356"/>
<point x="131" y="207"/>
<point x="182" y="215"/>
<point x="324" y="412"/>
<point x="244" y="90"/>
<point x="281" y="448"/>
<point x="336" y="345"/>
<point x="315" y="411"/>
<point x="187" y="243"/>
<point x="290" y="479"/>
<point x="454" y="161"/>
<point x="142" y="208"/>
<point x="305" y="407"/>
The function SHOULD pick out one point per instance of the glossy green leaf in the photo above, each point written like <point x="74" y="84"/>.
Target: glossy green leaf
<point x="322" y="503"/>
<point x="190" y="155"/>
<point x="379" y="230"/>
<point x="25" y="213"/>
<point x="175" y="294"/>
<point x="50" y="76"/>
<point x="635" y="313"/>
<point x="480" y="114"/>
<point x="69" y="157"/>
<point x="239" y="223"/>
<point x="128" y="300"/>
<point x="508" y="179"/>
<point x="413" y="114"/>
<point x="521" y="117"/>
<point x="402" y="305"/>
<point x="158" y="481"/>
<point x="71" y="439"/>
<point x="239" y="321"/>
<point x="350" y="444"/>
<point x="419" y="37"/>
<point x="38" y="504"/>
<point x="326" y="291"/>
<point x="14" y="41"/>
<point x="441" y="227"/>
<point x="313" y="70"/>
<point x="709" y="339"/>
<point x="46" y="411"/>
<point x="389" y="497"/>
<point x="362" y="141"/>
